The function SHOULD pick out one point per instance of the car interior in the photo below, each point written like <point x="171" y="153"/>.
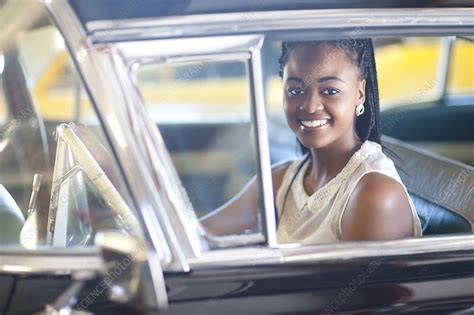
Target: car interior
<point x="441" y="210"/>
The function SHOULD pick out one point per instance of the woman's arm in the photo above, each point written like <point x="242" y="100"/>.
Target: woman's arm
<point x="241" y="212"/>
<point x="378" y="209"/>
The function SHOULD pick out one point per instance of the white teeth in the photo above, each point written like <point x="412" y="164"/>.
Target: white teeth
<point x="314" y="123"/>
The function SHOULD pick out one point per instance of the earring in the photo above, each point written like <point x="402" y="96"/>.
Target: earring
<point x="360" y="109"/>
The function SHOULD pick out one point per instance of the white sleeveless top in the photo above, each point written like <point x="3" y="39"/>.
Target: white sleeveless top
<point x="317" y="218"/>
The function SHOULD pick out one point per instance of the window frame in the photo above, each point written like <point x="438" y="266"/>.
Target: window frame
<point x="245" y="47"/>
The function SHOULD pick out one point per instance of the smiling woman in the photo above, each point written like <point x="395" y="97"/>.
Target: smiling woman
<point x="344" y="187"/>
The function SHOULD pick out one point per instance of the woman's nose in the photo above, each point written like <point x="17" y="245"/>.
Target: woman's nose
<point x="312" y="104"/>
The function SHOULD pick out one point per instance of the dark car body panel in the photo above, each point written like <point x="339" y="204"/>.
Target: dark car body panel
<point x="417" y="283"/>
<point x="389" y="283"/>
<point x="6" y="289"/>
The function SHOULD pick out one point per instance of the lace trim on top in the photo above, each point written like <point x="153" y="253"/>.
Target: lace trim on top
<point x="320" y="198"/>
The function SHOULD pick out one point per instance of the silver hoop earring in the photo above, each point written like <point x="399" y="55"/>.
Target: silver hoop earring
<point x="360" y="109"/>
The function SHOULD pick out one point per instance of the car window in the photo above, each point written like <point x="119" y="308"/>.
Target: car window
<point x="59" y="182"/>
<point x="422" y="131"/>
<point x="196" y="92"/>
<point x="203" y="113"/>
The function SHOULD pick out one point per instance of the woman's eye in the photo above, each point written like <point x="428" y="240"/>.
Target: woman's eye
<point x="330" y="91"/>
<point x="295" y="91"/>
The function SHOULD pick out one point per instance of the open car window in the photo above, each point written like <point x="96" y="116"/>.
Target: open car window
<point x="52" y="194"/>
<point x="427" y="135"/>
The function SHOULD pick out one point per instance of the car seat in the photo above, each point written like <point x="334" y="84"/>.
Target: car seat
<point x="441" y="188"/>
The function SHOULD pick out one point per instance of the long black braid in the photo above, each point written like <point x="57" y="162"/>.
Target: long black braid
<point x="361" y="54"/>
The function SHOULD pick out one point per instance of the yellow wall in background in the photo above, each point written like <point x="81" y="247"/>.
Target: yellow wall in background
<point x="407" y="73"/>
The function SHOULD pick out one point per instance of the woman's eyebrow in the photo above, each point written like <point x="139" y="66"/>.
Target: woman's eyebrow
<point x="299" y="80"/>
<point x="324" y="79"/>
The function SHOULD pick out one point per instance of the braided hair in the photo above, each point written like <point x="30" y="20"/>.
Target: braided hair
<point x="361" y="53"/>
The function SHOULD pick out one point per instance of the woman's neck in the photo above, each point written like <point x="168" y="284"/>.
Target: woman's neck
<point x="327" y="162"/>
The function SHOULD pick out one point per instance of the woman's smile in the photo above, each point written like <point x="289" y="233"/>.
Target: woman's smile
<point x="314" y="124"/>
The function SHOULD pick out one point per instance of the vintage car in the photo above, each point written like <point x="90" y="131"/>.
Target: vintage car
<point x="122" y="123"/>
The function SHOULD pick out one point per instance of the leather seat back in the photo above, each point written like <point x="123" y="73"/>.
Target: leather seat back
<point x="441" y="189"/>
<point x="438" y="220"/>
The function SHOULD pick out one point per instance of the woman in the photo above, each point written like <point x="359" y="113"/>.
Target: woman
<point x="344" y="187"/>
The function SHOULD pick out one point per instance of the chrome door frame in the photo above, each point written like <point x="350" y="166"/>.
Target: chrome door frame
<point x="245" y="48"/>
<point x="392" y="20"/>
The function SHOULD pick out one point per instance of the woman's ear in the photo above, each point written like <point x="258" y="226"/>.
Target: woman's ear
<point x="361" y="92"/>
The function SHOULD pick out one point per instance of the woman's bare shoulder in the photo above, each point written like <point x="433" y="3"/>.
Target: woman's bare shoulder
<point x="378" y="209"/>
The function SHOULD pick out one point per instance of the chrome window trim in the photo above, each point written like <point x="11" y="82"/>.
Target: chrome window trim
<point x="48" y="261"/>
<point x="263" y="152"/>
<point x="139" y="51"/>
<point x="245" y="48"/>
<point x="309" y="254"/>
<point x="95" y="66"/>
<point x="270" y="21"/>
<point x="180" y="226"/>
<point x="182" y="59"/>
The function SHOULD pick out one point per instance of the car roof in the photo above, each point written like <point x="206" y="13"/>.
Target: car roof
<point x="95" y="10"/>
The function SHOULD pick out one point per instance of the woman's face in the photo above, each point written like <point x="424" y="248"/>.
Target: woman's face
<point x="321" y="90"/>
